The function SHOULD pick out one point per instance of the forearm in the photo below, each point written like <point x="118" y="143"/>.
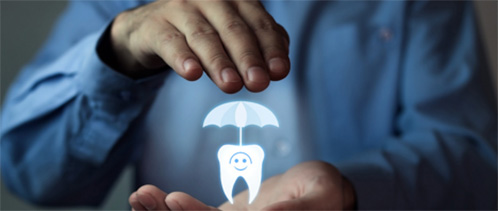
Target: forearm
<point x="39" y="163"/>
<point x="62" y="128"/>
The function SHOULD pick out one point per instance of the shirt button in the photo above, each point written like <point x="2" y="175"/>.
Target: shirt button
<point x="125" y="95"/>
<point x="95" y="104"/>
<point x="282" y="147"/>
<point x="385" y="34"/>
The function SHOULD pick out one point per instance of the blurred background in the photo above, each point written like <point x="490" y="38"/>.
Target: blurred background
<point x="26" y="24"/>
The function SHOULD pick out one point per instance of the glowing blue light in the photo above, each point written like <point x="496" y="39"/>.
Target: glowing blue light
<point x="240" y="114"/>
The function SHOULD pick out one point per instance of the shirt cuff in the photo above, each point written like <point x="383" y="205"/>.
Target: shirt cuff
<point x="100" y="81"/>
<point x="114" y="101"/>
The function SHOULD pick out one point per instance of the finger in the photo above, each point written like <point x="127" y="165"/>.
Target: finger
<point x="272" y="38"/>
<point x="204" y="41"/>
<point x="240" y="43"/>
<point x="134" y="203"/>
<point x="151" y="197"/>
<point x="171" y="46"/>
<point x="183" y="201"/>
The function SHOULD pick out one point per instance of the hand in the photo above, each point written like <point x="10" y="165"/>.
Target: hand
<point x="149" y="197"/>
<point x="237" y="43"/>
<point x="306" y="186"/>
<point x="310" y="185"/>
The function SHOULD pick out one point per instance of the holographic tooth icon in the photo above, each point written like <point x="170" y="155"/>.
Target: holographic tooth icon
<point x="239" y="160"/>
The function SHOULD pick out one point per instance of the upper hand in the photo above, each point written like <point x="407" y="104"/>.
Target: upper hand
<point x="237" y="43"/>
<point x="310" y="185"/>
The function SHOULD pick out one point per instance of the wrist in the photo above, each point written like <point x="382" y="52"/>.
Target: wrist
<point x="114" y="52"/>
<point x="349" y="202"/>
<point x="123" y="60"/>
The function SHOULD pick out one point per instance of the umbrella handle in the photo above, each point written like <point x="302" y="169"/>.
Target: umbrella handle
<point x="240" y="136"/>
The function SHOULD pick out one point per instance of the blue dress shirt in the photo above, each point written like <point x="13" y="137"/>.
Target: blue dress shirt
<point x="396" y="94"/>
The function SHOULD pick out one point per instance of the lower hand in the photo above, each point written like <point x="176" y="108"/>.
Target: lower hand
<point x="310" y="185"/>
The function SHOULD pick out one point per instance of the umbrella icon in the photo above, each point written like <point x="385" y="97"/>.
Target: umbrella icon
<point x="240" y="114"/>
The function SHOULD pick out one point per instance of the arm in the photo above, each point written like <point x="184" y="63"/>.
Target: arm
<point x="64" y="115"/>
<point x="65" y="121"/>
<point x="445" y="155"/>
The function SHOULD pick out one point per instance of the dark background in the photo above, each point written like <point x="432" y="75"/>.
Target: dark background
<point x="26" y="24"/>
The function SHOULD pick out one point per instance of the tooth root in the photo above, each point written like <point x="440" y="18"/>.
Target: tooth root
<point x="254" y="179"/>
<point x="227" y="189"/>
<point x="225" y="175"/>
<point x="253" y="185"/>
<point x="227" y="183"/>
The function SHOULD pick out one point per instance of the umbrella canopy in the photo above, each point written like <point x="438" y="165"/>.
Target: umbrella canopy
<point x="240" y="114"/>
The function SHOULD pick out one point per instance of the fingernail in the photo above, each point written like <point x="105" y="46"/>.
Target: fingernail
<point x="257" y="75"/>
<point x="277" y="65"/>
<point x="146" y="201"/>
<point x="189" y="64"/>
<point x="173" y="205"/>
<point x="229" y="75"/>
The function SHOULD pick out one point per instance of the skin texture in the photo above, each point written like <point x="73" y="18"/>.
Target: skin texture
<point x="308" y="186"/>
<point x="237" y="43"/>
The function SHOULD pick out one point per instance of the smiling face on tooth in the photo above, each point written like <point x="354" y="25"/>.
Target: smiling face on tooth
<point x="240" y="161"/>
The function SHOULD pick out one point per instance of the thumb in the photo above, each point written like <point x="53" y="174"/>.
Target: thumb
<point x="183" y="201"/>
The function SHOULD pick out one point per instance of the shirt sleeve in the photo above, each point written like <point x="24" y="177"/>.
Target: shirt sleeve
<point x="445" y="154"/>
<point x="63" y="118"/>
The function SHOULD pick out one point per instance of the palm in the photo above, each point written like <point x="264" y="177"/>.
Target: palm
<point x="311" y="180"/>
<point x="310" y="185"/>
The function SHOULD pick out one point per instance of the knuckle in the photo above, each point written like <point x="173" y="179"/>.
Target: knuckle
<point x="217" y="58"/>
<point x="248" y="57"/>
<point x="218" y="61"/>
<point x="199" y="29"/>
<point x="202" y="33"/>
<point x="266" y="24"/>
<point x="235" y="27"/>
<point x="273" y="51"/>
<point x="169" y="37"/>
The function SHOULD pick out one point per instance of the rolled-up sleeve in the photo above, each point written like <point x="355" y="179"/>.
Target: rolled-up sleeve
<point x="64" y="116"/>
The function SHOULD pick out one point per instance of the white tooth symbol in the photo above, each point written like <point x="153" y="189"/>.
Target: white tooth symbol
<point x="241" y="161"/>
